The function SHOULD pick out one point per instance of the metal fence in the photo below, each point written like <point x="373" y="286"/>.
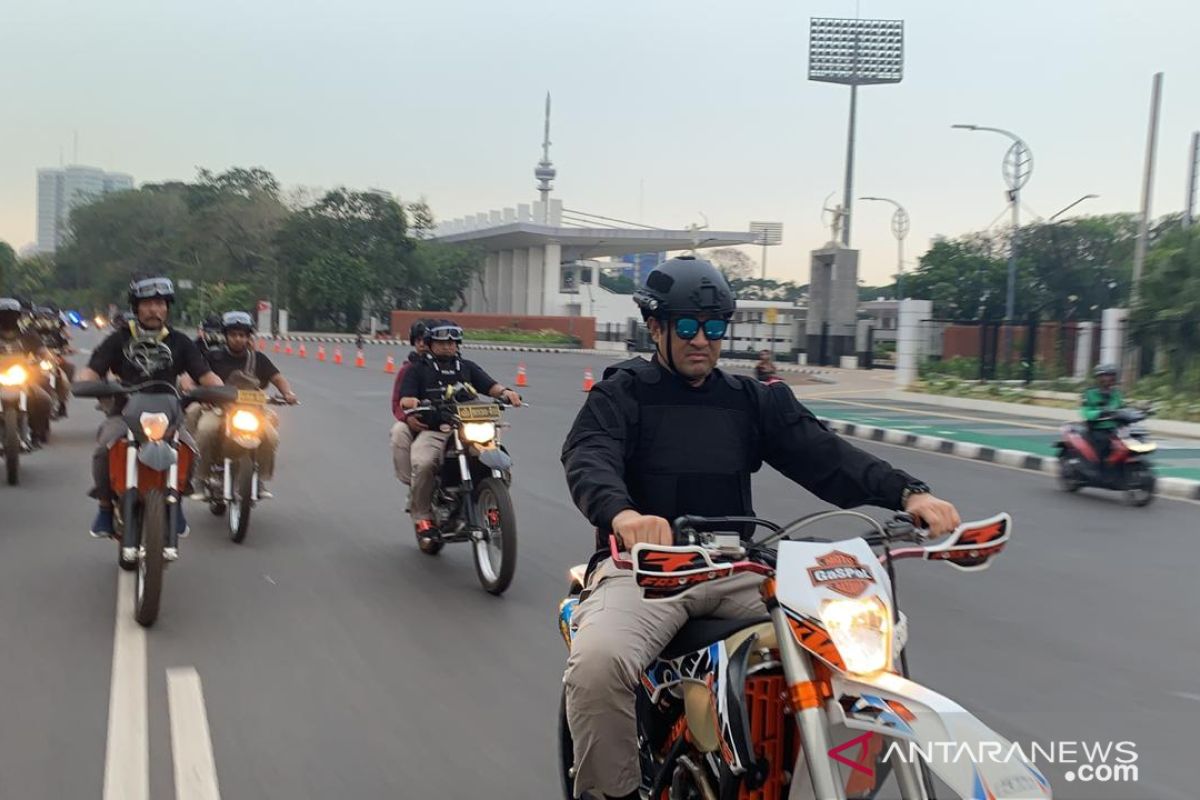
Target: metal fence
<point x="988" y="350"/>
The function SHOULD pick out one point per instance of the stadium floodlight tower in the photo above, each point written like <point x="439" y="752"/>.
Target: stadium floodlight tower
<point x="854" y="52"/>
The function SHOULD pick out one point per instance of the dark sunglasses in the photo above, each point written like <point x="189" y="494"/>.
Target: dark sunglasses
<point x="714" y="329"/>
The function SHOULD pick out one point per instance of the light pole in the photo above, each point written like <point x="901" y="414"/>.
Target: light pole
<point x="1058" y="214"/>
<point x="900" y="226"/>
<point x="767" y="234"/>
<point x="854" y="52"/>
<point x="1017" y="167"/>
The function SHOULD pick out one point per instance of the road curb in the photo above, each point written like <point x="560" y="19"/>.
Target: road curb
<point x="1180" y="488"/>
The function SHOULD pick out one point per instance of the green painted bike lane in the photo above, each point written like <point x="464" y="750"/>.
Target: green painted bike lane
<point x="1178" y="458"/>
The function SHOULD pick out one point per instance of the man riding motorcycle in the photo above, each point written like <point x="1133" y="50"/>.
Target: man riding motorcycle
<point x="52" y="331"/>
<point x="1100" y="403"/>
<point x="237" y="364"/>
<point x="438" y="368"/>
<point x="211" y="336"/>
<point x="671" y="436"/>
<point x="406" y="427"/>
<point x="144" y="350"/>
<point x="15" y="343"/>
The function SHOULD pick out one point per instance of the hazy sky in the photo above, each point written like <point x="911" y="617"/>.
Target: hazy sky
<point x="705" y="104"/>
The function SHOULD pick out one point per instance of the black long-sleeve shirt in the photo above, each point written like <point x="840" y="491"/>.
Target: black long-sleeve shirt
<point x="605" y="446"/>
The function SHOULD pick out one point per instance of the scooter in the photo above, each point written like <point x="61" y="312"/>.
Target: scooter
<point x="1126" y="468"/>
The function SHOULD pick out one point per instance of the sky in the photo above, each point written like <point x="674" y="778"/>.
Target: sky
<point x="664" y="110"/>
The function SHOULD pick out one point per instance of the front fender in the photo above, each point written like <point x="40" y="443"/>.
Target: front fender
<point x="971" y="758"/>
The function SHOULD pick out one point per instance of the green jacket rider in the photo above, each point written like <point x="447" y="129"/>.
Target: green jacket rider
<point x="1102" y="399"/>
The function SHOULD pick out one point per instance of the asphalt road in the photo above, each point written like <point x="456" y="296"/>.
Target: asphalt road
<point x="336" y="661"/>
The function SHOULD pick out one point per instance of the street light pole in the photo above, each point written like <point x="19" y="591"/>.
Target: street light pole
<point x="900" y="228"/>
<point x="1017" y="168"/>
<point x="1058" y="214"/>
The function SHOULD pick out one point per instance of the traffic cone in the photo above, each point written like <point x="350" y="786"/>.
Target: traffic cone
<point x="278" y="347"/>
<point x="320" y="352"/>
<point x="390" y="365"/>
<point x="303" y="352"/>
<point x="337" y="355"/>
<point x="287" y="351"/>
<point x="360" y="360"/>
<point x="588" y="381"/>
<point x="522" y="381"/>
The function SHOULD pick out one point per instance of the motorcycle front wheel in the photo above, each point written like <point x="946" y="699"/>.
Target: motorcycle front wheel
<point x="243" y="499"/>
<point x="496" y="550"/>
<point x="12" y="445"/>
<point x="150" y="557"/>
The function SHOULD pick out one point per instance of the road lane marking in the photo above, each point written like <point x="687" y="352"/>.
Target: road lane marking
<point x="962" y="417"/>
<point x="191" y="742"/>
<point x="127" y="751"/>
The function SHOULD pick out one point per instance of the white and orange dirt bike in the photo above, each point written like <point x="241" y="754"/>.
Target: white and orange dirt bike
<point x="811" y="700"/>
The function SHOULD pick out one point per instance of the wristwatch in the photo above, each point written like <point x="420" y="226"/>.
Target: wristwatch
<point x="916" y="487"/>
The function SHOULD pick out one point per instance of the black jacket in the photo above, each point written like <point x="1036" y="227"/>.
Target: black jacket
<point x="647" y="440"/>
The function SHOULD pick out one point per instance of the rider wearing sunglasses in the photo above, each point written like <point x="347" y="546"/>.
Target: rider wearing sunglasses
<point x="671" y="436"/>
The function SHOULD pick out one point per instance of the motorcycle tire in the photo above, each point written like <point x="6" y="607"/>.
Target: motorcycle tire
<point x="493" y="504"/>
<point x="1066" y="481"/>
<point x="1142" y="483"/>
<point x="12" y="445"/>
<point x="243" y="501"/>
<point x="128" y="512"/>
<point x="151" y="564"/>
<point x="566" y="750"/>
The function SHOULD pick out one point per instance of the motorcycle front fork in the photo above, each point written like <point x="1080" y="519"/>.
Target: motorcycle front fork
<point x="130" y="535"/>
<point x="813" y="722"/>
<point x="227" y="479"/>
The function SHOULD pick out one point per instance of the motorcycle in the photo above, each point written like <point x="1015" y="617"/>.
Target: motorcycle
<point x="52" y="371"/>
<point x="145" y="470"/>
<point x="767" y="708"/>
<point x="1127" y="467"/>
<point x="232" y="484"/>
<point x="471" y="501"/>
<point x="14" y="415"/>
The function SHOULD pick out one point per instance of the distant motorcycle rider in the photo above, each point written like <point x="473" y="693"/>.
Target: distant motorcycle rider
<point x="237" y="364"/>
<point x="26" y="345"/>
<point x="144" y="350"/>
<point x="440" y="367"/>
<point x="1100" y="404"/>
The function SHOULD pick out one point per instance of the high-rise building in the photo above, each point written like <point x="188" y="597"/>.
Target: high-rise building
<point x="639" y="265"/>
<point x="62" y="189"/>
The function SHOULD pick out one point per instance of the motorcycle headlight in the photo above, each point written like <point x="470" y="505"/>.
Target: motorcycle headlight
<point x="861" y="629"/>
<point x="16" y="375"/>
<point x="244" y="421"/>
<point x="46" y="366"/>
<point x="479" y="432"/>
<point x="154" y="425"/>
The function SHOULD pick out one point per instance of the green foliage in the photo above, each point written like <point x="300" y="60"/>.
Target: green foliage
<point x="620" y="284"/>
<point x="520" y="336"/>
<point x="767" y="289"/>
<point x="1168" y="316"/>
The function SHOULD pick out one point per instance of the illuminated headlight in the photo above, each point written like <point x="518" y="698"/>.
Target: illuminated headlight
<point x="244" y="421"/>
<point x="862" y="632"/>
<point x="14" y="376"/>
<point x="46" y="366"/>
<point x="479" y="432"/>
<point x="154" y="425"/>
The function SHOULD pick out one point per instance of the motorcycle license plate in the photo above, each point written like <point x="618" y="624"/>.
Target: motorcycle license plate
<point x="252" y="397"/>
<point x="478" y="413"/>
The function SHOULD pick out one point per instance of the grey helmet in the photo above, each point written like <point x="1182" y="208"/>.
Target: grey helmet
<point x="1105" y="369"/>
<point x="685" y="285"/>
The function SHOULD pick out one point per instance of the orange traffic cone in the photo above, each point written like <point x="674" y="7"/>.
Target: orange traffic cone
<point x="360" y="360"/>
<point x="303" y="352"/>
<point x="588" y="381"/>
<point x="278" y="347"/>
<point x="390" y="365"/>
<point x="337" y="355"/>
<point x="287" y="351"/>
<point x="521" y="379"/>
<point x="320" y="352"/>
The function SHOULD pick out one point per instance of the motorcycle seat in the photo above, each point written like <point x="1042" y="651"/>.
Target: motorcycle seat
<point x="700" y="632"/>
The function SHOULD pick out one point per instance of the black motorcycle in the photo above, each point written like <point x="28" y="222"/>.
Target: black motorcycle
<point x="1125" y="468"/>
<point x="15" y="435"/>
<point x="471" y="501"/>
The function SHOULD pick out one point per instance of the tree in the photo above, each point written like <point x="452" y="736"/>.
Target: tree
<point x="619" y="284"/>
<point x="733" y="263"/>
<point x="1168" y="314"/>
<point x="768" y="289"/>
<point x="8" y="264"/>
<point x="445" y="271"/>
<point x="964" y="278"/>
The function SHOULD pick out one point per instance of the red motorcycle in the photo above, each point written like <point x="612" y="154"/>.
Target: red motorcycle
<point x="1125" y="468"/>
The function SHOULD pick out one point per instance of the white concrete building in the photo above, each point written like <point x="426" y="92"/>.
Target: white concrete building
<point x="537" y="264"/>
<point x="59" y="190"/>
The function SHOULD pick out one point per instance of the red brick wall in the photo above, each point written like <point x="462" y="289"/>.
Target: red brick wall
<point x="582" y="328"/>
<point x="963" y="340"/>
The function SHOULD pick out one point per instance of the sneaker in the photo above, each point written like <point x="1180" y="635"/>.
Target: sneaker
<point x="263" y="492"/>
<point x="426" y="530"/>
<point x="102" y="525"/>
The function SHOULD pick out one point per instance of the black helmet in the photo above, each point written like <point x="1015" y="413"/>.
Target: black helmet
<point x="10" y="312"/>
<point x="684" y="285"/>
<point x="211" y="323"/>
<point x="416" y="332"/>
<point x="236" y="320"/>
<point x="146" y="288"/>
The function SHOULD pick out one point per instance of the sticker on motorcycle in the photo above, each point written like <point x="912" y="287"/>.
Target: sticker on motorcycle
<point x="842" y="573"/>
